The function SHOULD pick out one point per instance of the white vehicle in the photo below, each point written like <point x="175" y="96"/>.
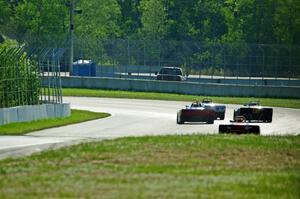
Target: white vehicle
<point x="219" y="109"/>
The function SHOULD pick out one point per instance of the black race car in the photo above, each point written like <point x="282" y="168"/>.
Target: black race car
<point x="239" y="126"/>
<point x="253" y="112"/>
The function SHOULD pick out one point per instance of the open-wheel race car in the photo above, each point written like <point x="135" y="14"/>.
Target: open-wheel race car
<point x="196" y="113"/>
<point x="253" y="112"/>
<point x="239" y="126"/>
<point x="219" y="109"/>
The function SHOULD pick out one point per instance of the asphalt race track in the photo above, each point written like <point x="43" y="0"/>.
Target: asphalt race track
<point x="133" y="118"/>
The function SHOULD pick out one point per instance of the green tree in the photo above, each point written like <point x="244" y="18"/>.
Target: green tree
<point x="182" y="19"/>
<point x="250" y="21"/>
<point x="31" y="20"/>
<point x="130" y="21"/>
<point x="153" y="18"/>
<point x="211" y="21"/>
<point x="5" y="13"/>
<point x="267" y="21"/>
<point x="99" y="19"/>
<point x="287" y="22"/>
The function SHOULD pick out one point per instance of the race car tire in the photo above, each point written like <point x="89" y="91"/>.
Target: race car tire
<point x="268" y="120"/>
<point x="210" y="121"/>
<point x="179" y="120"/>
<point x="269" y="116"/>
<point x="222" y="129"/>
<point x="255" y="130"/>
<point x="234" y="115"/>
<point x="222" y="116"/>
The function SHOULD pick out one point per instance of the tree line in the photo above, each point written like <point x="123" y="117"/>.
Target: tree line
<point x="218" y="21"/>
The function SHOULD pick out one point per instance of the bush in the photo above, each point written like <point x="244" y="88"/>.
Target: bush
<point x="19" y="79"/>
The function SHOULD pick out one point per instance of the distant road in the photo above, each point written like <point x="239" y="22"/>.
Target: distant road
<point x="133" y="118"/>
<point x="152" y="76"/>
<point x="266" y="81"/>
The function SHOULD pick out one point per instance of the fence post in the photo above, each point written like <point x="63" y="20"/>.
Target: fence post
<point x="290" y="62"/>
<point x="159" y="51"/>
<point x="276" y="69"/>
<point x="128" y="55"/>
<point x="237" y="63"/>
<point x="224" y="61"/>
<point x="263" y="54"/>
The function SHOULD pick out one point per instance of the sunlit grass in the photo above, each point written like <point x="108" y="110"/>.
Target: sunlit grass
<point x="26" y="127"/>
<point x="193" y="166"/>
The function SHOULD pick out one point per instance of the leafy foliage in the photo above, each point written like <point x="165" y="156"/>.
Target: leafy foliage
<point x="250" y="21"/>
<point x="99" y="19"/>
<point x="153" y="19"/>
<point x="19" y="81"/>
<point x="31" y="20"/>
<point x="105" y="27"/>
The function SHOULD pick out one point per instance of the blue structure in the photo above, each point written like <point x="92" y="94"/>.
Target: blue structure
<point x="84" y="68"/>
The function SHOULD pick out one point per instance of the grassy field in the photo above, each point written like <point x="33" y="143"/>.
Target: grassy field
<point x="222" y="166"/>
<point x="289" y="103"/>
<point x="26" y="127"/>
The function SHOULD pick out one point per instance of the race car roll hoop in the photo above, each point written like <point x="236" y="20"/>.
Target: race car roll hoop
<point x="206" y="111"/>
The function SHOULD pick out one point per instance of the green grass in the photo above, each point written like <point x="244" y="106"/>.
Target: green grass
<point x="222" y="166"/>
<point x="276" y="102"/>
<point x="26" y="127"/>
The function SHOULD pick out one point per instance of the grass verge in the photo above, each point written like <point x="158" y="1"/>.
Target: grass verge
<point x="26" y="127"/>
<point x="222" y="166"/>
<point x="276" y="102"/>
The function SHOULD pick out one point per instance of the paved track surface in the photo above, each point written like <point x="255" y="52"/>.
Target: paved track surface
<point x="133" y="118"/>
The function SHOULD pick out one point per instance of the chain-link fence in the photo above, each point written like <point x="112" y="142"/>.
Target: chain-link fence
<point x="146" y="57"/>
<point x="21" y="69"/>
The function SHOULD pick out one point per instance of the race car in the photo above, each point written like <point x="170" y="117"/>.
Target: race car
<point x="239" y="126"/>
<point x="219" y="109"/>
<point x="253" y="112"/>
<point x="196" y="113"/>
